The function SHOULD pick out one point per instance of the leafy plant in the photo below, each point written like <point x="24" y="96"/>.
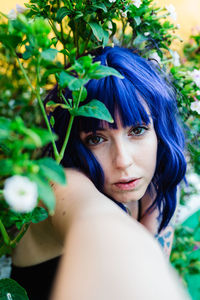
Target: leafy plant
<point x="52" y="43"/>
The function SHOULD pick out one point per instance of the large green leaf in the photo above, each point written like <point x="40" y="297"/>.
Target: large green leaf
<point x="100" y="6"/>
<point x="49" y="54"/>
<point x="94" y="109"/>
<point x="10" y="41"/>
<point x="52" y="170"/>
<point x="76" y="94"/>
<point x="73" y="83"/>
<point x="45" y="191"/>
<point x="103" y="71"/>
<point x="11" y="290"/>
<point x="97" y="31"/>
<point x="61" y="13"/>
<point x="105" y="38"/>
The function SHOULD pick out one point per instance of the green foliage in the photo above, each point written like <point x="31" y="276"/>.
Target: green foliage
<point x="94" y="109"/>
<point x="10" y="289"/>
<point x="186" y="253"/>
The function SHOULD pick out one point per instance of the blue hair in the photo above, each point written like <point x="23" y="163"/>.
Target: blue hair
<point x="142" y="84"/>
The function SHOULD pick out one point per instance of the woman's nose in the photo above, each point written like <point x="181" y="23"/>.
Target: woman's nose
<point x="122" y="156"/>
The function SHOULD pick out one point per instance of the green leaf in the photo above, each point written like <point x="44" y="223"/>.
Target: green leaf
<point x="61" y="13"/>
<point x="94" y="109"/>
<point x="85" y="61"/>
<point x="4" y="128"/>
<point x="52" y="121"/>
<point x="6" y="166"/>
<point x="52" y="170"/>
<point x="45" y="191"/>
<point x="105" y="37"/>
<point x="45" y="135"/>
<point x="75" y="95"/>
<point x="100" y="6"/>
<point x="28" y="53"/>
<point x="10" y="40"/>
<point x="140" y="39"/>
<point x="72" y="82"/>
<point x="10" y="287"/>
<point x="137" y="20"/>
<point x="97" y="31"/>
<point x="103" y="71"/>
<point x="49" y="54"/>
<point x="39" y="214"/>
<point x="78" y="14"/>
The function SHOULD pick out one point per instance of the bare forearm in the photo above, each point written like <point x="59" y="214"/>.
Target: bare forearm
<point x="110" y="256"/>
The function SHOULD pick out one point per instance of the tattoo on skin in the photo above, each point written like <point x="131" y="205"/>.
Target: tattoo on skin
<point x="165" y="239"/>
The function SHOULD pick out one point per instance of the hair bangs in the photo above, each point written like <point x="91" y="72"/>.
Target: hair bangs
<point x="121" y="98"/>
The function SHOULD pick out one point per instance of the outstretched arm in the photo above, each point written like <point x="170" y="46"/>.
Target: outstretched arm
<point x="107" y="255"/>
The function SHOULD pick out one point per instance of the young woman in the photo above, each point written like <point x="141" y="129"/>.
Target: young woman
<point x="135" y="162"/>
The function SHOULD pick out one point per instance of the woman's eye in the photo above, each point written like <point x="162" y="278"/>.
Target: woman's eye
<point x="137" y="131"/>
<point x="94" y="140"/>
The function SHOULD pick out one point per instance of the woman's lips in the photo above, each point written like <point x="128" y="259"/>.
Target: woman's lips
<point x="127" y="185"/>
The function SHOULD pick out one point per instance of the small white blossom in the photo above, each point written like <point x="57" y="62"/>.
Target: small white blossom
<point x="146" y="33"/>
<point x="155" y="56"/>
<point x="110" y="26"/>
<point x="195" y="106"/>
<point x="20" y="9"/>
<point x="198" y="93"/>
<point x="12" y="15"/>
<point x="123" y="13"/>
<point x="137" y="3"/>
<point x="172" y="11"/>
<point x="20" y="193"/>
<point x="112" y="1"/>
<point x="195" y="75"/>
<point x="176" y="59"/>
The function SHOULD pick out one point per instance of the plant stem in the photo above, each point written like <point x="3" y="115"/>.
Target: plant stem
<point x="23" y="230"/>
<point x="4" y="233"/>
<point x="62" y="35"/>
<point x="64" y="99"/>
<point x="54" y="29"/>
<point x="43" y="109"/>
<point x="69" y="129"/>
<point x="24" y="72"/>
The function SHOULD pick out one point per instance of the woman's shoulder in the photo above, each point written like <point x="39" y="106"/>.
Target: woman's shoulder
<point x="77" y="184"/>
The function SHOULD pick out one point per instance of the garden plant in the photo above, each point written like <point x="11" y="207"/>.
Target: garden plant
<point x="50" y="42"/>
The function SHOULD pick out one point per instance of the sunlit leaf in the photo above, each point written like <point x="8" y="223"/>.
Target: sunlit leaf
<point x="94" y="109"/>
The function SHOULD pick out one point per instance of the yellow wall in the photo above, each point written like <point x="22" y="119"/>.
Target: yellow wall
<point x="188" y="13"/>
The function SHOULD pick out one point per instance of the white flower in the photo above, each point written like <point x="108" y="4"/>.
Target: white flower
<point x="112" y="1"/>
<point x="146" y="33"/>
<point x="20" y="193"/>
<point x="195" y="106"/>
<point x="155" y="56"/>
<point x="123" y="13"/>
<point x="198" y="93"/>
<point x="137" y="3"/>
<point x="20" y="9"/>
<point x="12" y="15"/>
<point x="172" y="11"/>
<point x="195" y="75"/>
<point x="176" y="59"/>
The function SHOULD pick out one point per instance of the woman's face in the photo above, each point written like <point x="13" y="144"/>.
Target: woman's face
<point x="127" y="156"/>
